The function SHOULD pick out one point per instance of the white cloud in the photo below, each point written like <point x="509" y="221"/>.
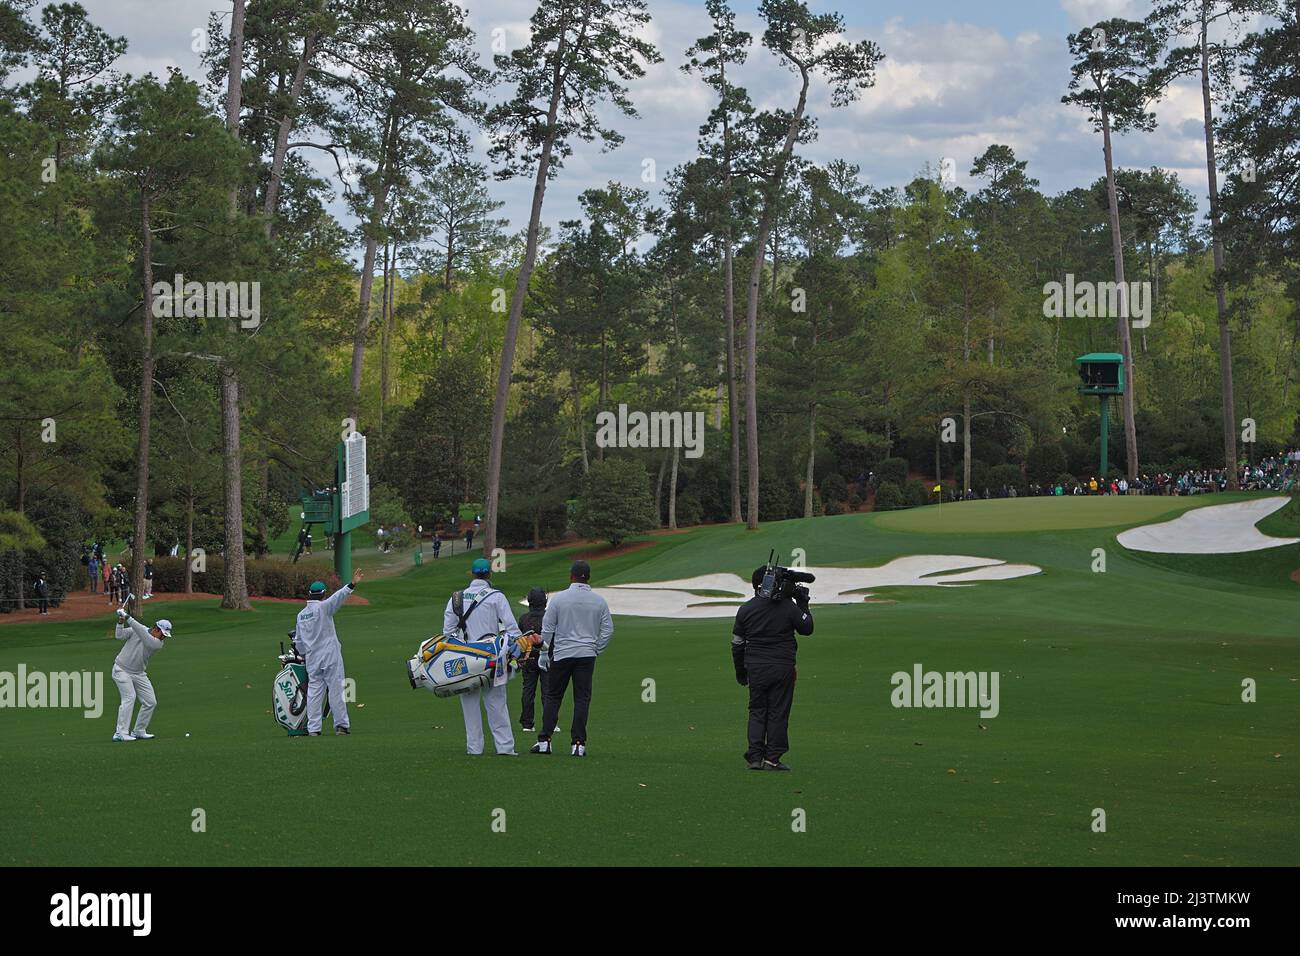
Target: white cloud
<point x="946" y="88"/>
<point x="1087" y="12"/>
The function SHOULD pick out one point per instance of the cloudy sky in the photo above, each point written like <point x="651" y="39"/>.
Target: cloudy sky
<point x="957" y="77"/>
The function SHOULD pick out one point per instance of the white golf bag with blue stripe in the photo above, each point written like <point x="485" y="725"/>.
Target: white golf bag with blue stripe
<point x="448" y="667"/>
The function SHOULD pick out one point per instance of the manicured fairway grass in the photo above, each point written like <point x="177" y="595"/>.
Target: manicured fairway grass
<point x="1118" y="690"/>
<point x="1015" y="515"/>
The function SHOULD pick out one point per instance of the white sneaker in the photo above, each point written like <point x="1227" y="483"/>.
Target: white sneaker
<point x="579" y="750"/>
<point x="123" y="738"/>
<point x="141" y="735"/>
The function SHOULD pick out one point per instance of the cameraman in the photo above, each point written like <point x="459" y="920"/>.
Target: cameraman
<point x="763" y="650"/>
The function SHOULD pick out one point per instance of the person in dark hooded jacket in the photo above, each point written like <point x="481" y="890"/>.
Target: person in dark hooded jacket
<point x="532" y="674"/>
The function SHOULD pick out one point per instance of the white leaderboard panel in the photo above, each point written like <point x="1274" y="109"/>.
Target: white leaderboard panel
<point x="355" y="490"/>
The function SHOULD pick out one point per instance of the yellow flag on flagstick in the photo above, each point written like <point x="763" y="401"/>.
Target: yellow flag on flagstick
<point x="938" y="488"/>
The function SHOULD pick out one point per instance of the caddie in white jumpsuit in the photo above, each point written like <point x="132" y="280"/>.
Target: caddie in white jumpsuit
<point x="491" y="614"/>
<point x="318" y="643"/>
<point x="129" y="673"/>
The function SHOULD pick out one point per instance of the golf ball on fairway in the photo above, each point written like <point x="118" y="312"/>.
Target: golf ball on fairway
<point x="187" y="735"/>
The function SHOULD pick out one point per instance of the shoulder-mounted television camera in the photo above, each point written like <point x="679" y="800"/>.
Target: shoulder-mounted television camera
<point x="782" y="584"/>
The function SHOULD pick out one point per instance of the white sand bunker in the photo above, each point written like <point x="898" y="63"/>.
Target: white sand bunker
<point x="833" y="585"/>
<point x="1217" y="529"/>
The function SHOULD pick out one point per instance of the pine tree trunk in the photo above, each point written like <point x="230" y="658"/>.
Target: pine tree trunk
<point x="659" y="492"/>
<point x="385" y="317"/>
<point x="812" y="450"/>
<point x="141" y="535"/>
<point x="1125" y="332"/>
<point x="377" y="211"/>
<point x="733" y="404"/>
<point x="577" y="417"/>
<point x="729" y="298"/>
<point x="189" y="541"/>
<point x="235" y="592"/>
<point x="751" y="312"/>
<point x="1220" y="287"/>
<point x="492" y="492"/>
<point x="965" y="440"/>
<point x="235" y="587"/>
<point x="281" y="151"/>
<point x="672" y="492"/>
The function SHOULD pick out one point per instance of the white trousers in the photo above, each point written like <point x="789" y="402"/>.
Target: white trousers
<point x="503" y="735"/>
<point x="131" y="686"/>
<point x="325" y="676"/>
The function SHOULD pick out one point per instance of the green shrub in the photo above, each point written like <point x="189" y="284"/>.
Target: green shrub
<point x="615" y="501"/>
<point x="834" y="489"/>
<point x="689" y="510"/>
<point x="779" y="498"/>
<point x="1008" y="475"/>
<point x="1044" y="461"/>
<point x="889" y="497"/>
<point x="515" y="528"/>
<point x="893" y="471"/>
<point x="281" y="579"/>
<point x="917" y="493"/>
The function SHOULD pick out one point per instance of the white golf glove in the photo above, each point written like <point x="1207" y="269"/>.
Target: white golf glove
<point x="121" y="614"/>
<point x="544" y="659"/>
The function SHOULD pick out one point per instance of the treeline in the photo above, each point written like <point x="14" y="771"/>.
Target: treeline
<point x="187" y="325"/>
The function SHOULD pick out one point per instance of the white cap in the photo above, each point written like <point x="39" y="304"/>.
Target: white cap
<point x="165" y="626"/>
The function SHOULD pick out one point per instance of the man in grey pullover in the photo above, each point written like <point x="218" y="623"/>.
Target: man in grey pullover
<point x="575" y="629"/>
<point x="130" y="676"/>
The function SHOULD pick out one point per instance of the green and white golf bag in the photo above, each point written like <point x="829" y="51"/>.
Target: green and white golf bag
<point x="289" y="696"/>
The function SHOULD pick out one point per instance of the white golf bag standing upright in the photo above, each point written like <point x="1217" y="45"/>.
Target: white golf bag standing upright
<point x="289" y="696"/>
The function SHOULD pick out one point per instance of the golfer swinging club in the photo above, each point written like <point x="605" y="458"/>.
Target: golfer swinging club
<point x="319" y="645"/>
<point x="130" y="676"/>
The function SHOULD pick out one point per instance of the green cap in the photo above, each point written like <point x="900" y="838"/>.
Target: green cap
<point x="481" y="566"/>
<point x="317" y="587"/>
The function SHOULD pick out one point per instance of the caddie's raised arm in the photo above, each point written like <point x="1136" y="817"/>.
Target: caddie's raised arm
<point x="335" y="600"/>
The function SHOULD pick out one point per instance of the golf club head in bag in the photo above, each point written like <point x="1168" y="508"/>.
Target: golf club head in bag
<point x="289" y="694"/>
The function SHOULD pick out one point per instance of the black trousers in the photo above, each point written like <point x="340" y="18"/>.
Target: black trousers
<point x="45" y="605"/>
<point x="579" y="669"/>
<point x="771" y="695"/>
<point x="533" y="675"/>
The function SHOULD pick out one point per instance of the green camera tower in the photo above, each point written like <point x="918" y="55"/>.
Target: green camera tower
<point x="1102" y="374"/>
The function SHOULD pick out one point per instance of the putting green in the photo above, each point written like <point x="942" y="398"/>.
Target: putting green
<point x="1119" y="690"/>
<point x="1040" y="514"/>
